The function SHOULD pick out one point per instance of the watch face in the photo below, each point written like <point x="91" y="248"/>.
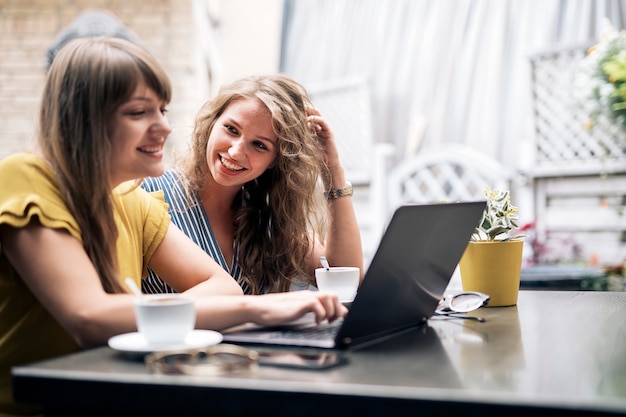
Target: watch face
<point x="468" y="301"/>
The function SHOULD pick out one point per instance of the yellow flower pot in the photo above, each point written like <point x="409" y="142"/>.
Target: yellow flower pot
<point x="493" y="268"/>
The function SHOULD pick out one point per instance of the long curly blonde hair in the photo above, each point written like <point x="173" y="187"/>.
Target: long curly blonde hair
<point x="280" y="214"/>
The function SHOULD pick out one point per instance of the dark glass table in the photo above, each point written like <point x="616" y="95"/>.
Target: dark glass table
<point x="555" y="353"/>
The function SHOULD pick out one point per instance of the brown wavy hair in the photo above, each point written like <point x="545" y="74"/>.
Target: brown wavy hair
<point x="87" y="81"/>
<point x="279" y="215"/>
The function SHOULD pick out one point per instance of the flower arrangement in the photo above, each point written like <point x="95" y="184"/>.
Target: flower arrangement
<point x="603" y="77"/>
<point x="499" y="218"/>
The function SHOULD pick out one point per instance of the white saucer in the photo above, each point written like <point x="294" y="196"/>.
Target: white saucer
<point x="137" y="343"/>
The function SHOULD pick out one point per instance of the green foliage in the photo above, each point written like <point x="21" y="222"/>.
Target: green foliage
<point x="499" y="218"/>
<point x="602" y="77"/>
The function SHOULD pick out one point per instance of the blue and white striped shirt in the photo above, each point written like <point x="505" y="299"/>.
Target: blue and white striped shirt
<point x="188" y="214"/>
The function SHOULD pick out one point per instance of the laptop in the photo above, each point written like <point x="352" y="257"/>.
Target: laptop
<point x="401" y="289"/>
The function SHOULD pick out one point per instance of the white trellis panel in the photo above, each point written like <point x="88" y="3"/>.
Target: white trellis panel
<point x="563" y="145"/>
<point x="579" y="175"/>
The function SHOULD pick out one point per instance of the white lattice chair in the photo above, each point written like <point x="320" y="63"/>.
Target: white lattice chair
<point x="346" y="105"/>
<point x="447" y="173"/>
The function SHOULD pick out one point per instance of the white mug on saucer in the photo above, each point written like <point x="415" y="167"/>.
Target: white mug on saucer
<point x="165" y="318"/>
<point x="342" y="280"/>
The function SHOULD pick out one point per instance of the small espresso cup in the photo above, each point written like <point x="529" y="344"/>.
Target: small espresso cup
<point x="165" y="318"/>
<point x="342" y="280"/>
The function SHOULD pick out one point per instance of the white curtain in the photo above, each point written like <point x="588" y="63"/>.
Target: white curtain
<point x="440" y="71"/>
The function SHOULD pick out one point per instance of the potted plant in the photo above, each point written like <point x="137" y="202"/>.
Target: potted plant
<point x="492" y="261"/>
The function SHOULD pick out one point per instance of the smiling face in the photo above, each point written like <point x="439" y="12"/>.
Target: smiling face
<point x="138" y="129"/>
<point x="242" y="143"/>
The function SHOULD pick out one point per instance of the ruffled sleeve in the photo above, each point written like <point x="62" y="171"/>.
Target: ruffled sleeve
<point x="30" y="189"/>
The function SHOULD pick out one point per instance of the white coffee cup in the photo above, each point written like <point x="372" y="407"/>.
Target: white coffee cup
<point x="165" y="318"/>
<point x="342" y="280"/>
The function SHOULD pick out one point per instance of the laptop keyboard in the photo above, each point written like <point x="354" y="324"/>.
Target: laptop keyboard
<point x="324" y="331"/>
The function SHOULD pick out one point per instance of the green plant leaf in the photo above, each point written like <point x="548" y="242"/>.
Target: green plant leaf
<point x="499" y="216"/>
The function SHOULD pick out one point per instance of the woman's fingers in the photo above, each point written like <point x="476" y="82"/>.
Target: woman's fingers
<point x="312" y="111"/>
<point x="333" y="308"/>
<point x="283" y="307"/>
<point x="318" y="124"/>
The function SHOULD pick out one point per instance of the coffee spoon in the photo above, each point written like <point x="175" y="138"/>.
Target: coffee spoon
<point x="324" y="263"/>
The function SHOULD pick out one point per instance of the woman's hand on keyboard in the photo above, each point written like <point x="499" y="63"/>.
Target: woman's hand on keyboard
<point x="280" y="308"/>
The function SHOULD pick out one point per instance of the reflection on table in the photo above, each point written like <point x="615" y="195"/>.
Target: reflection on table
<point x="555" y="352"/>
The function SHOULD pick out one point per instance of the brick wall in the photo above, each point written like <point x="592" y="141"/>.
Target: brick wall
<point x="29" y="27"/>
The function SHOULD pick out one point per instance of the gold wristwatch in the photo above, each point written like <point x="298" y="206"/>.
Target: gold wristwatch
<point x="345" y="191"/>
